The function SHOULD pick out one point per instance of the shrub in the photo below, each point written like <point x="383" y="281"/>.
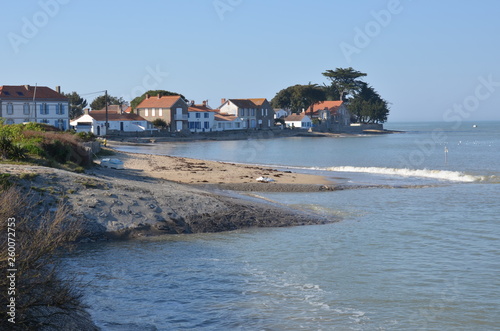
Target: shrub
<point x="41" y="293"/>
<point x="86" y="136"/>
<point x="57" y="150"/>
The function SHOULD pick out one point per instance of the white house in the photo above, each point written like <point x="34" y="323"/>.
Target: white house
<point x="225" y="122"/>
<point x="201" y="118"/>
<point x="300" y="121"/>
<point x="41" y="104"/>
<point x="281" y="113"/>
<point x="95" y="122"/>
<point x="254" y="113"/>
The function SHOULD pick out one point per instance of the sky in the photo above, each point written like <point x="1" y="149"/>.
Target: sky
<point x="431" y="60"/>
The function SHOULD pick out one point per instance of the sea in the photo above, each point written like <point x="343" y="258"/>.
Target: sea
<point x="416" y="245"/>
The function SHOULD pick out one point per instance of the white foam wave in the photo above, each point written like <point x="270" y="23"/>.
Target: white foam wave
<point x="455" y="176"/>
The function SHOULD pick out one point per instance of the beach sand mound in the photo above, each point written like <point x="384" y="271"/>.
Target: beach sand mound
<point x="126" y="204"/>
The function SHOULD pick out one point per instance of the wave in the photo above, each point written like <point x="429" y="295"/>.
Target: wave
<point x="455" y="176"/>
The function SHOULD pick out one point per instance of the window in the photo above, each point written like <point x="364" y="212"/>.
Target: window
<point x="44" y="109"/>
<point x="198" y="115"/>
<point x="207" y="115"/>
<point x="253" y="111"/>
<point x="146" y="112"/>
<point x="237" y="125"/>
<point x="10" y="109"/>
<point x="153" y="112"/>
<point x="26" y="109"/>
<point x="160" y="112"/>
<point x="60" y="109"/>
<point x="207" y="125"/>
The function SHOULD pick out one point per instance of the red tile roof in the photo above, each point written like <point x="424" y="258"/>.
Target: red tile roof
<point x="295" y="117"/>
<point x="332" y="106"/>
<point x="162" y="102"/>
<point x="200" y="108"/>
<point x="115" y="108"/>
<point x="26" y="92"/>
<point x="224" y="117"/>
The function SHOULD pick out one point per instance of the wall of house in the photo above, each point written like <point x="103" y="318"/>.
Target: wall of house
<point x="55" y="113"/>
<point x="265" y="116"/>
<point x="198" y="122"/>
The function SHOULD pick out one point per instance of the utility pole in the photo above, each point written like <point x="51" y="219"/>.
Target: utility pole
<point x="106" y="102"/>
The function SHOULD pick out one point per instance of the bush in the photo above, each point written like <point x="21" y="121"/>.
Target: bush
<point x="86" y="136"/>
<point x="58" y="151"/>
<point x="40" y="292"/>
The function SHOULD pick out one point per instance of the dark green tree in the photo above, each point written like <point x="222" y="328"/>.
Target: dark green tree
<point x="344" y="81"/>
<point x="154" y="93"/>
<point x="298" y="97"/>
<point x="160" y="123"/>
<point x="99" y="102"/>
<point x="76" y="104"/>
<point x="367" y="106"/>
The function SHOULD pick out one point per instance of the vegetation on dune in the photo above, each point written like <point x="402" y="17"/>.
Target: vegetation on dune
<point x="41" y="296"/>
<point x="44" y="145"/>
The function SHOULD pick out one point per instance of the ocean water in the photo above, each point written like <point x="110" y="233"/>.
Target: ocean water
<point x="421" y="252"/>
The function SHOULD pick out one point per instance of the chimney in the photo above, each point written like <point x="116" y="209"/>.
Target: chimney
<point x="192" y="103"/>
<point x="27" y="87"/>
<point x="147" y="96"/>
<point x="86" y="111"/>
<point x="58" y="89"/>
<point x="223" y="101"/>
<point x="159" y="95"/>
<point x="204" y="103"/>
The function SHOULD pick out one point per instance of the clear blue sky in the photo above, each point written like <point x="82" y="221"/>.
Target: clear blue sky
<point x="425" y="58"/>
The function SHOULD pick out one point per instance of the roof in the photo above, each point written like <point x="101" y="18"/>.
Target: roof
<point x="27" y="92"/>
<point x="116" y="108"/>
<point x="159" y="102"/>
<point x="248" y="103"/>
<point x="224" y="117"/>
<point x="295" y="117"/>
<point x="100" y="116"/>
<point x="332" y="106"/>
<point x="200" y="108"/>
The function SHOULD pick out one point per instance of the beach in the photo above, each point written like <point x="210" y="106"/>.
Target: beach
<point x="158" y="195"/>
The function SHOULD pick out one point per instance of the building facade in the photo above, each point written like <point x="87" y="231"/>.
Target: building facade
<point x="172" y="109"/>
<point x="95" y="122"/>
<point x="40" y="104"/>
<point x="254" y="113"/>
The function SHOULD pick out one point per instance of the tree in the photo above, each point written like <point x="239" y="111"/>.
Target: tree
<point x="100" y="103"/>
<point x="154" y="93"/>
<point x="344" y="80"/>
<point x="298" y="97"/>
<point x="76" y="104"/>
<point x="159" y="123"/>
<point x="367" y="106"/>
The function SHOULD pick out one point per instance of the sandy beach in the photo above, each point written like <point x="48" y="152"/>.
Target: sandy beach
<point x="200" y="172"/>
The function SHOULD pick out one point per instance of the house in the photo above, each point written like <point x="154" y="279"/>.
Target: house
<point x="201" y="118"/>
<point x="301" y="121"/>
<point x="95" y="122"/>
<point x="41" y="104"/>
<point x="225" y="122"/>
<point x="333" y="113"/>
<point x="172" y="109"/>
<point x="254" y="113"/>
<point x="280" y="113"/>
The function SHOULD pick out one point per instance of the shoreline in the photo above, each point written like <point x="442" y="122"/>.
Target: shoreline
<point x="198" y="172"/>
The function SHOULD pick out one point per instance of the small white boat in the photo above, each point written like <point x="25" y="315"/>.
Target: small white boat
<point x="265" y="180"/>
<point x="474" y="126"/>
<point x="112" y="163"/>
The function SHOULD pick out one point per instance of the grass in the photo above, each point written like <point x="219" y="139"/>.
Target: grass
<point x="39" y="144"/>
